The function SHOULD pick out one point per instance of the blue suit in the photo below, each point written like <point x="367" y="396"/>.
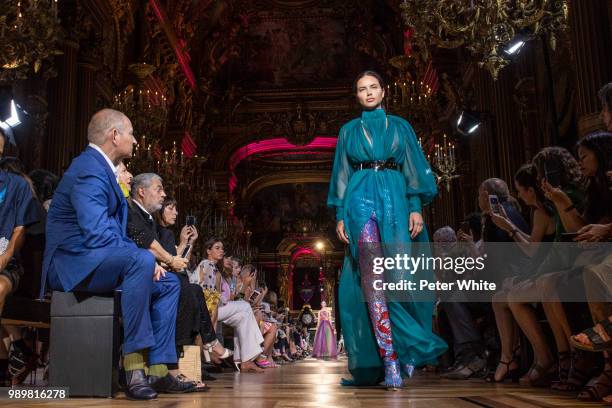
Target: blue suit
<point x="87" y="250"/>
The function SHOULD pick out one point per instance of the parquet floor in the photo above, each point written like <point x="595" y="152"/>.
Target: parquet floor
<point x="313" y="383"/>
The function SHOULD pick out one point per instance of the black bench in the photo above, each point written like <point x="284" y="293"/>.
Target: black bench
<point x="84" y="347"/>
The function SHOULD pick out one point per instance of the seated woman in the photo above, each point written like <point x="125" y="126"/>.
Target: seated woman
<point x="524" y="289"/>
<point x="249" y="291"/>
<point x="593" y="153"/>
<point x="237" y="314"/>
<point x="192" y="317"/>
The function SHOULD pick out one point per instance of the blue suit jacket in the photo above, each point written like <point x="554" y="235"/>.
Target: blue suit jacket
<point x="86" y="222"/>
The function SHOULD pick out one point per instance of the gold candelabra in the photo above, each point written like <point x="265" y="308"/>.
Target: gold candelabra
<point x="444" y="162"/>
<point x="408" y="95"/>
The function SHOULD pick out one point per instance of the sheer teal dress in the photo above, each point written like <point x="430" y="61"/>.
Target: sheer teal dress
<point x="388" y="197"/>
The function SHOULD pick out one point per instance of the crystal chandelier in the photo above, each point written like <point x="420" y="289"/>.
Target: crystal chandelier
<point x="29" y="33"/>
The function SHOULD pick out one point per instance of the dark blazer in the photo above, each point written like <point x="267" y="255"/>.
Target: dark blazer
<point x="87" y="220"/>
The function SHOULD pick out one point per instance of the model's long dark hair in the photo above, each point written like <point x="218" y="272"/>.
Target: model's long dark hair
<point x="598" y="195"/>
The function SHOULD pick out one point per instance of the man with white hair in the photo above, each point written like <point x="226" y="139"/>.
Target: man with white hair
<point x="87" y="250"/>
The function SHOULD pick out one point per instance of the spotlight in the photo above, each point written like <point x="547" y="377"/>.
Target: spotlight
<point x="319" y="245"/>
<point x="468" y="122"/>
<point x="12" y="120"/>
<point x="514" y="46"/>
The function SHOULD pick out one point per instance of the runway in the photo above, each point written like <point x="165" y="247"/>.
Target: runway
<point x="314" y="383"/>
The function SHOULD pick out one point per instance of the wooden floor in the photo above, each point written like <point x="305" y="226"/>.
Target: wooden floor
<point x="313" y="383"/>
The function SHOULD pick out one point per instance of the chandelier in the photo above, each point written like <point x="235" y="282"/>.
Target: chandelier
<point x="144" y="103"/>
<point x="223" y="225"/>
<point x="29" y="33"/>
<point x="485" y="27"/>
<point x="408" y="94"/>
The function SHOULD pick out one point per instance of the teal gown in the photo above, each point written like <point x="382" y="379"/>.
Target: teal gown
<point x="389" y="197"/>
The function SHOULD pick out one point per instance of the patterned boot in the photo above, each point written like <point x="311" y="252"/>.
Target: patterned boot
<point x="379" y="315"/>
<point x="369" y="249"/>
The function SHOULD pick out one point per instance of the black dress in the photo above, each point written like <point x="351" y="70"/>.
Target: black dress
<point x="192" y="315"/>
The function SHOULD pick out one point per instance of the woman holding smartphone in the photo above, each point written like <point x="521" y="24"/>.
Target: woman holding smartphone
<point x="235" y="313"/>
<point x="379" y="183"/>
<point x="192" y="317"/>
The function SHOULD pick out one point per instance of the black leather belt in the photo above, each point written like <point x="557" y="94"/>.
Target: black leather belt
<point x="377" y="165"/>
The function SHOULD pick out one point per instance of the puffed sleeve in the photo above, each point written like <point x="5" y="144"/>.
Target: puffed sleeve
<point x="421" y="185"/>
<point x="340" y="177"/>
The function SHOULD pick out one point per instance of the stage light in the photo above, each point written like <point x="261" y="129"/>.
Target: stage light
<point x="11" y="121"/>
<point x="319" y="245"/>
<point x="514" y="47"/>
<point x="468" y="122"/>
<point x="9" y="118"/>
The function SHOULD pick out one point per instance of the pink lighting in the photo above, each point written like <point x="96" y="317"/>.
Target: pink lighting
<point x="302" y="252"/>
<point x="275" y="145"/>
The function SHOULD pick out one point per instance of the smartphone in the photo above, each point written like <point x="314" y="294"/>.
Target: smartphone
<point x="568" y="236"/>
<point x="254" y="295"/>
<point x="494" y="201"/>
<point x="190" y="221"/>
<point x="186" y="251"/>
<point x="552" y="174"/>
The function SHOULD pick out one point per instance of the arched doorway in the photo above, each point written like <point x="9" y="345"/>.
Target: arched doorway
<point x="306" y="266"/>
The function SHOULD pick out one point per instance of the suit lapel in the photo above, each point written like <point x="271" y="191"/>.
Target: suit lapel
<point x="111" y="176"/>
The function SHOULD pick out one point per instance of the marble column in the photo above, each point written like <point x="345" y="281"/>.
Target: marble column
<point x="591" y="45"/>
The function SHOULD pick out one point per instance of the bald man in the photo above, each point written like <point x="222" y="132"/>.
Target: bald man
<point x="87" y="250"/>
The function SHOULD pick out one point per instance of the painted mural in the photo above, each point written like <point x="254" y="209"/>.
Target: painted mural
<point x="287" y="52"/>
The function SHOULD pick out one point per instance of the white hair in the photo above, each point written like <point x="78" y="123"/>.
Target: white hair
<point x="143" y="180"/>
<point x="102" y="122"/>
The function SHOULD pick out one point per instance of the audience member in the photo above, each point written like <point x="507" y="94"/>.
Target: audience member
<point x="87" y="249"/>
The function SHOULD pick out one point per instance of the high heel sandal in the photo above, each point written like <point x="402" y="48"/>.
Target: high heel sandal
<point x="208" y="349"/>
<point x="544" y="375"/>
<point x="512" y="374"/>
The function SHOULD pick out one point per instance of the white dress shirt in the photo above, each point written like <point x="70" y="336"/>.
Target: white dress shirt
<point x="110" y="163"/>
<point x="142" y="208"/>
